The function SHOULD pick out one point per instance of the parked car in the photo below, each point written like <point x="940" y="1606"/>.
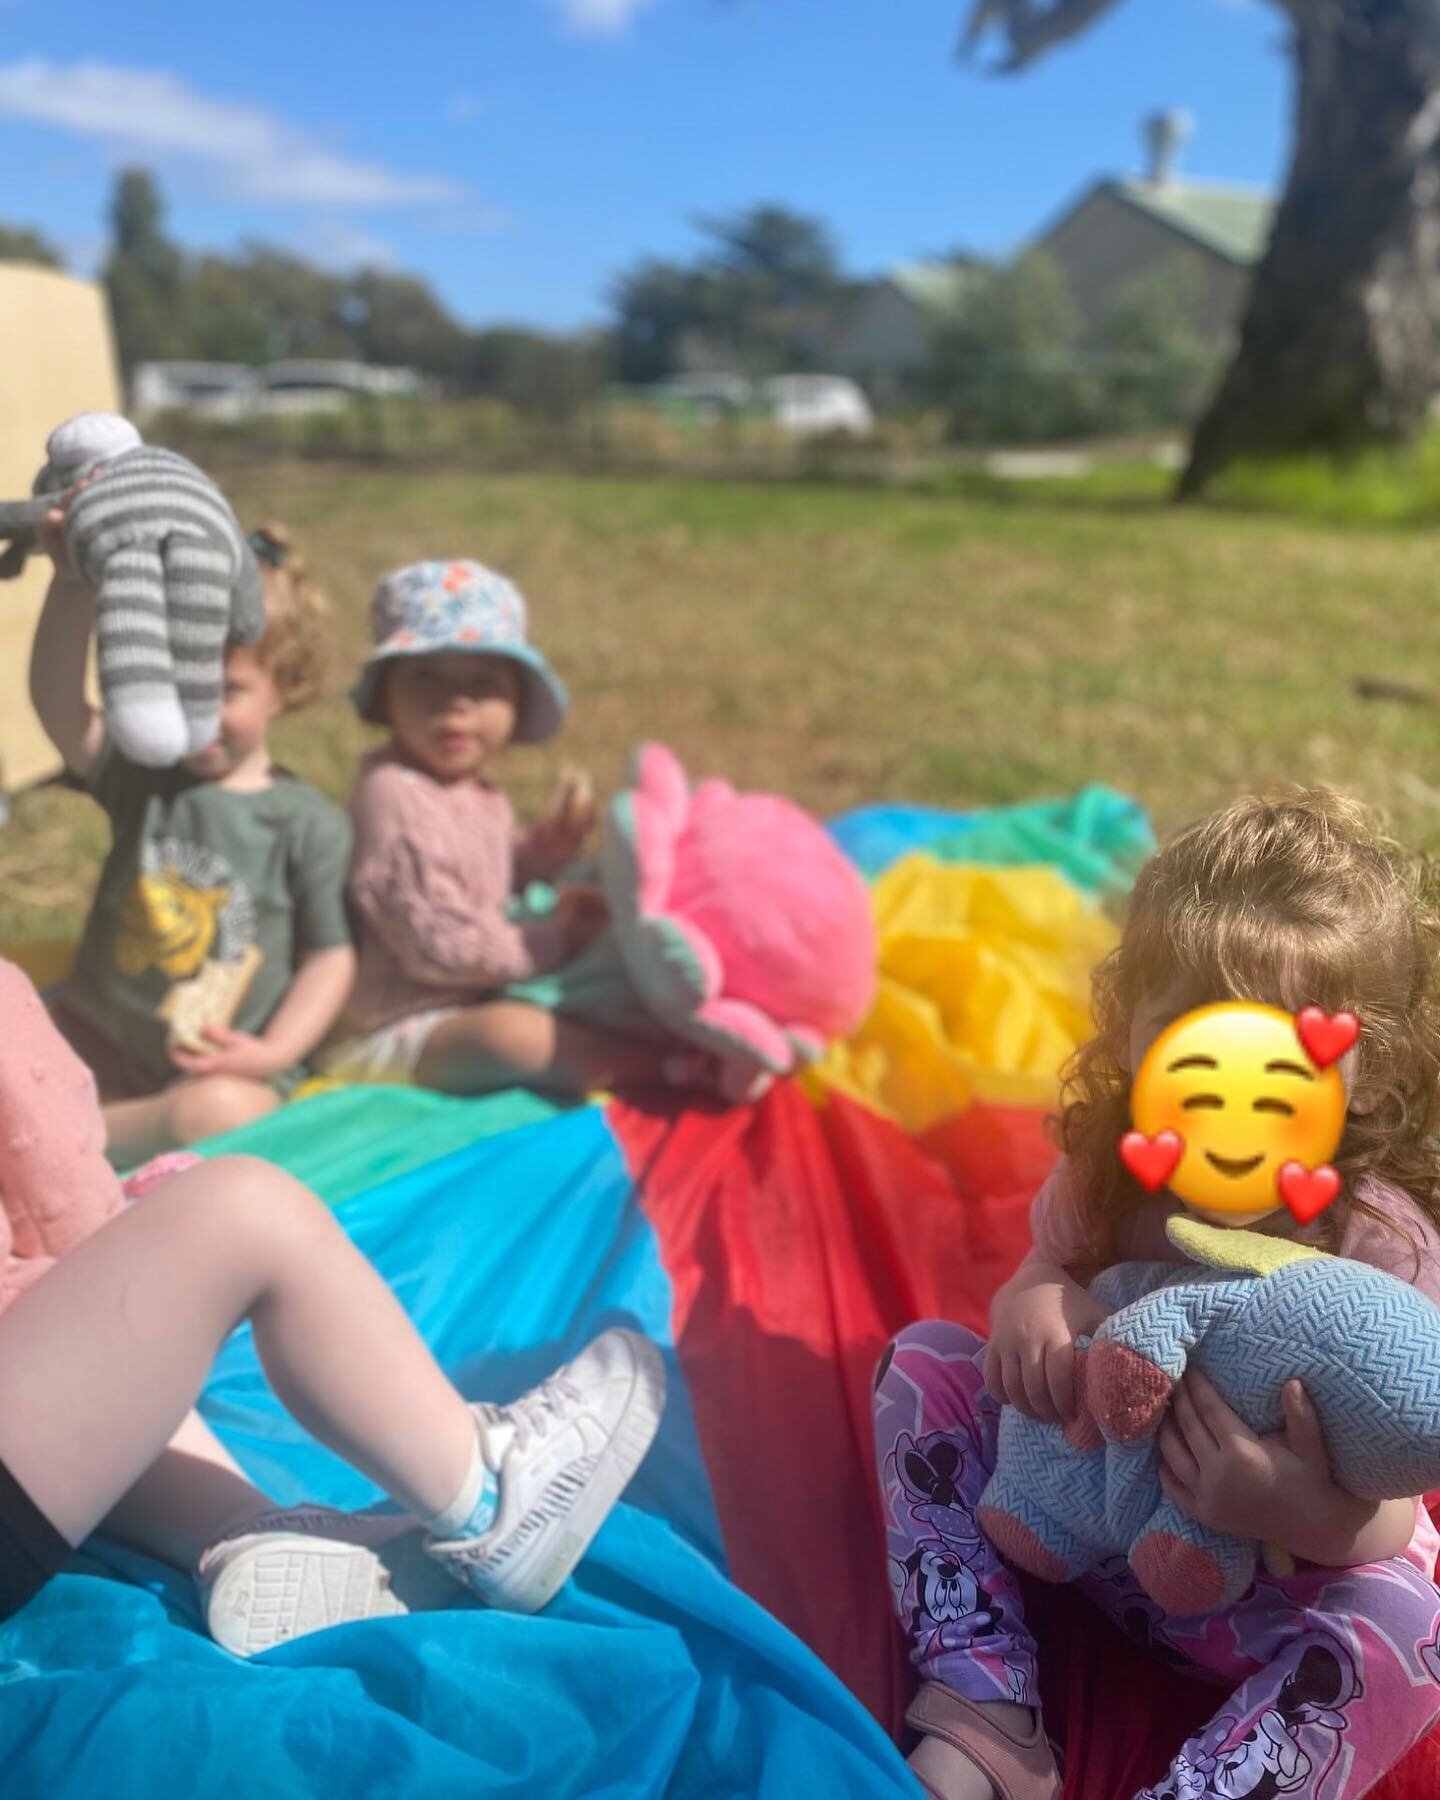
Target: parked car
<point x="801" y="405"/>
<point x="818" y="406"/>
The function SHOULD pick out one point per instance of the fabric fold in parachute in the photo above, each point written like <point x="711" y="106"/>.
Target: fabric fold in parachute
<point x="1097" y="838"/>
<point x="983" y="991"/>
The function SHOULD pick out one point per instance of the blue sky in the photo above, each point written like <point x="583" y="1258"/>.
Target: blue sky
<point x="517" y="153"/>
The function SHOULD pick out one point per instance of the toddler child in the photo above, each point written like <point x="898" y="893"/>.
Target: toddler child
<point x="436" y="860"/>
<point x="1334" y="1667"/>
<point x="226" y="872"/>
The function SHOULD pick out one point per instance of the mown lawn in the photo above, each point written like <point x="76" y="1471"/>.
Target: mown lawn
<point x="847" y="645"/>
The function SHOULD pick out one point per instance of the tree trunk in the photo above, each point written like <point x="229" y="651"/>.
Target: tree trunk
<point x="1340" y="344"/>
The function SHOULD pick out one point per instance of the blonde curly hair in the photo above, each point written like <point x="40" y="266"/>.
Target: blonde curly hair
<point x="296" y="644"/>
<point x="1292" y="900"/>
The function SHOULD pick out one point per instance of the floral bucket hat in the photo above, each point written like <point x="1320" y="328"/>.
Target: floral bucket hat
<point x="432" y="606"/>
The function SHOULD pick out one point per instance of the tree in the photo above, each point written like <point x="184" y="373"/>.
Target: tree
<point x="19" y="244"/>
<point x="302" y="308"/>
<point x="659" y="306"/>
<point x="397" y="321"/>
<point x="144" y="274"/>
<point x="223" y="322"/>
<point x="551" y="377"/>
<point x="763" y="296"/>
<point x="1003" y="362"/>
<point x="1151" y="355"/>
<point x="1340" y="343"/>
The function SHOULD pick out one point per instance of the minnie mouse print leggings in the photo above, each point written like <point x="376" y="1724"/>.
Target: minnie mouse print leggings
<point x="1335" y="1672"/>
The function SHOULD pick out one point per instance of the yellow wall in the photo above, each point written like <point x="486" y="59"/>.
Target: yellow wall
<point x="57" y="357"/>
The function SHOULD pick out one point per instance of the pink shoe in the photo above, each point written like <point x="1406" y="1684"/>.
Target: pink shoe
<point x="961" y="1735"/>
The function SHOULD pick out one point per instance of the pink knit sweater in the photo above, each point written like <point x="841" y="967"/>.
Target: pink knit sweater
<point x="433" y="866"/>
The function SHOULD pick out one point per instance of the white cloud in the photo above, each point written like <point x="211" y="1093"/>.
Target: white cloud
<point x="258" y="155"/>
<point x="601" y="18"/>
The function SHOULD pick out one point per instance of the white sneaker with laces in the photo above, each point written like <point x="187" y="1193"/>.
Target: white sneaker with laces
<point x="290" y="1572"/>
<point x="563" y="1454"/>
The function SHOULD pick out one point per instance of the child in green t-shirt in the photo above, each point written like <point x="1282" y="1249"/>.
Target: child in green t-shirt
<point x="226" y="876"/>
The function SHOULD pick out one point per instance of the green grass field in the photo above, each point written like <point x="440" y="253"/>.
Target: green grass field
<point x="966" y="648"/>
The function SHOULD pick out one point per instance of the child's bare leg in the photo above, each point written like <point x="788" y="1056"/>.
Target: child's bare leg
<point x="508" y="1041"/>
<point x="102" y="1359"/>
<point x="199" y="1107"/>
<point x="190" y="1495"/>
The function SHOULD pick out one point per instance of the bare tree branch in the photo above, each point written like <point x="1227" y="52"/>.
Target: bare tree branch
<point x="1030" y="26"/>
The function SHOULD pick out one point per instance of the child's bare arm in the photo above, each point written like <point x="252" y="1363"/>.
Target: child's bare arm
<point x="312" y="1004"/>
<point x="59" y="657"/>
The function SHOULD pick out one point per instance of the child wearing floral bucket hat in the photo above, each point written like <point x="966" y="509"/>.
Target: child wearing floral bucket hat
<point x="437" y="858"/>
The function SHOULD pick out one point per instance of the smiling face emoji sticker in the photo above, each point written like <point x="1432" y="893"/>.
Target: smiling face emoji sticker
<point x="1233" y="1097"/>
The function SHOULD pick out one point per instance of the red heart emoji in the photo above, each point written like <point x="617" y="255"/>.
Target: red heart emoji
<point x="1307" y="1192"/>
<point x="1152" y="1161"/>
<point x="1326" y="1036"/>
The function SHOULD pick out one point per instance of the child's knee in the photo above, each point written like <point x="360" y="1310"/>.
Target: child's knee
<point x="249" y="1194"/>
<point x="211" y="1104"/>
<point x="938" y="1338"/>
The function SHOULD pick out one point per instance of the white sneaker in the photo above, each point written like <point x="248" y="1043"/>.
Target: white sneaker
<point x="287" y="1573"/>
<point x="564" y="1453"/>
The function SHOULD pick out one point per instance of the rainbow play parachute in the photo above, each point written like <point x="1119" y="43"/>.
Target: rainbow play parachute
<point x="729" y="1634"/>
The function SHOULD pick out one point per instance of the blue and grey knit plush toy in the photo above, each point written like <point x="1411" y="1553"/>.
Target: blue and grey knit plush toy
<point x="1255" y="1313"/>
<point x="175" y="582"/>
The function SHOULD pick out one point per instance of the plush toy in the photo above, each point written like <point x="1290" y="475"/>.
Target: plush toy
<point x="740" y="938"/>
<point x="75" y="448"/>
<point x="55" y="1184"/>
<point x="174" y="577"/>
<point x="743" y="928"/>
<point x="1255" y="1313"/>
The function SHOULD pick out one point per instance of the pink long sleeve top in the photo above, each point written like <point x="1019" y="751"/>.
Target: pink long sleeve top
<point x="433" y="866"/>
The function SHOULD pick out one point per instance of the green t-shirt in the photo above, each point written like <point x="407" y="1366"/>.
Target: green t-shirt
<point x="197" y="873"/>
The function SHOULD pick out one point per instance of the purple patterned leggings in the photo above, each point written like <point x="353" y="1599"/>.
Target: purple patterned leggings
<point x="1335" y="1672"/>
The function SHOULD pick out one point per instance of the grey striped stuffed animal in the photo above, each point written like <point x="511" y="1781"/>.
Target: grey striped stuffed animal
<point x="174" y="577"/>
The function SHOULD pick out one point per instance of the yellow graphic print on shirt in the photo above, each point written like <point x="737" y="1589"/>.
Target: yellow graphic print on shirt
<point x="168" y="923"/>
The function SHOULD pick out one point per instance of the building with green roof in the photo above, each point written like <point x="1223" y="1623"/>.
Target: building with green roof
<point x="1214" y="235"/>
<point x="885" y="333"/>
<point x="1210" y="234"/>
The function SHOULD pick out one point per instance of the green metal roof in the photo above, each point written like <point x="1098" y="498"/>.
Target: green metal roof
<point x="1233" y="222"/>
<point x="935" y="286"/>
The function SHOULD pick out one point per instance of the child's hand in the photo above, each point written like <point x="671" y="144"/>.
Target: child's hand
<point x="235" y="1053"/>
<point x="559" y="837"/>
<point x="1034" y="1322"/>
<point x="583" y="914"/>
<point x="50" y="532"/>
<point x="1277" y="1488"/>
<point x="50" y="536"/>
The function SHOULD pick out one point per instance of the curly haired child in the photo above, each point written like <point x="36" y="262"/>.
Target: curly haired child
<point x="1292" y="901"/>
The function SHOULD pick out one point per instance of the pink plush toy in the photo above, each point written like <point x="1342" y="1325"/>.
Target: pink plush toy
<point x="744" y="928"/>
<point x="55" y="1184"/>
